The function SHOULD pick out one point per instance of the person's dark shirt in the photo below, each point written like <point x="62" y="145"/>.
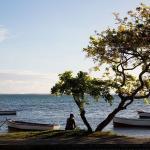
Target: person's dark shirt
<point x="70" y="125"/>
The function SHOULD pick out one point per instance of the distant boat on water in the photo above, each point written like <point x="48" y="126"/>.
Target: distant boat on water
<point x="143" y="114"/>
<point x="129" y="122"/>
<point x="22" y="125"/>
<point x="6" y="112"/>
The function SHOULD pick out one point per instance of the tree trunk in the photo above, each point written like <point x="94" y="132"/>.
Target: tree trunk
<point x="109" y="118"/>
<point x="82" y="114"/>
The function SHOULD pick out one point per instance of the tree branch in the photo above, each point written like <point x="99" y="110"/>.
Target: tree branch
<point x="127" y="104"/>
<point x="133" y="67"/>
<point x="141" y="80"/>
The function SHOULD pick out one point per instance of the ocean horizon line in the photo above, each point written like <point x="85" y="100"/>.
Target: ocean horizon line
<point x="25" y="94"/>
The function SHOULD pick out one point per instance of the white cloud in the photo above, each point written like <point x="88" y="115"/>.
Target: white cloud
<point x="4" y="33"/>
<point x="26" y="81"/>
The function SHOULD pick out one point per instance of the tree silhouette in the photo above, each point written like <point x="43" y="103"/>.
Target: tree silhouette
<point x="125" y="51"/>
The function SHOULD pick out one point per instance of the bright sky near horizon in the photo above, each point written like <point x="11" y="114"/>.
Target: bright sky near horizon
<point x="41" y="38"/>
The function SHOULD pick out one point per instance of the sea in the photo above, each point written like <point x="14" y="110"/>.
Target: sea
<point x="46" y="108"/>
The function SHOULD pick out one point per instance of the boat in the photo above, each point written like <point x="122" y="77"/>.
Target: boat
<point x="129" y="122"/>
<point x="6" y="112"/>
<point x="143" y="114"/>
<point x="22" y="125"/>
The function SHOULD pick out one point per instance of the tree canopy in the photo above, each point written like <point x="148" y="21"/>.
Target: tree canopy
<point x="126" y="53"/>
<point x="126" y="49"/>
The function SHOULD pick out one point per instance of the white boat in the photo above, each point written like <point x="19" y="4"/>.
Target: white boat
<point x="129" y="122"/>
<point x="7" y="112"/>
<point x="143" y="114"/>
<point x="21" y="125"/>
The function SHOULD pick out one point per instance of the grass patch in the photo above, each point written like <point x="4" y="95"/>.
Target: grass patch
<point x="57" y="133"/>
<point x="20" y="135"/>
<point x="102" y="134"/>
<point x="73" y="133"/>
<point x="43" y="134"/>
<point x="26" y="134"/>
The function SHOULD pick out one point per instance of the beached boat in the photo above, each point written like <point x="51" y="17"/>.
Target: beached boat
<point x="8" y="112"/>
<point x="21" y="125"/>
<point x="143" y="114"/>
<point x="129" y="122"/>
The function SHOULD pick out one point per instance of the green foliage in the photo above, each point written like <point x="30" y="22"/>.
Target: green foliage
<point x="147" y="101"/>
<point x="126" y="50"/>
<point x="81" y="85"/>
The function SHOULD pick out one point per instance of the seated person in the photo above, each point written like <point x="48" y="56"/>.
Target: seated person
<point x="70" y="125"/>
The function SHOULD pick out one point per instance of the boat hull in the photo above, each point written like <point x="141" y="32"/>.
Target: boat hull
<point x="144" y="115"/>
<point x="126" y="122"/>
<point x="20" y="125"/>
<point x="7" y="112"/>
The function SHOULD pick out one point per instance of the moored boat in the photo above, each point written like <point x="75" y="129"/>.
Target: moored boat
<point x="143" y="114"/>
<point x="7" y="112"/>
<point x="129" y="122"/>
<point x="22" y="125"/>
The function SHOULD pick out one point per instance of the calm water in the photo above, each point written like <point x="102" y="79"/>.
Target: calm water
<point x="52" y="109"/>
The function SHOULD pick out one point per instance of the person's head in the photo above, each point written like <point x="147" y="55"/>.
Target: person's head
<point x="71" y="116"/>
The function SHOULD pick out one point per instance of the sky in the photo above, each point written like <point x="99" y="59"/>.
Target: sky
<point x="40" y="39"/>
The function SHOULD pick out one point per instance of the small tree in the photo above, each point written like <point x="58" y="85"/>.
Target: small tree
<point x="125" y="52"/>
<point x="78" y="87"/>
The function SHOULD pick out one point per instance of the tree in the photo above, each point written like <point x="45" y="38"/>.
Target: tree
<point x="78" y="87"/>
<point x="125" y="51"/>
